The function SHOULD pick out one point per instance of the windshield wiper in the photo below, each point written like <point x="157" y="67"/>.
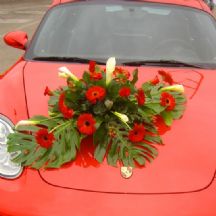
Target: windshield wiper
<point x="66" y="59"/>
<point x="168" y="63"/>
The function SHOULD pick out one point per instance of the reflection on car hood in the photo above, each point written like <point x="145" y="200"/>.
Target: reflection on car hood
<point x="185" y="163"/>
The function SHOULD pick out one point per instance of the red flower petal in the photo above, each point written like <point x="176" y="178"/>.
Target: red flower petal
<point x="121" y="75"/>
<point x="124" y="92"/>
<point x="140" y="97"/>
<point x="92" y="65"/>
<point x="95" y="93"/>
<point x="86" y="124"/>
<point x="155" y="81"/>
<point x="67" y="113"/>
<point x="96" y="76"/>
<point x="137" y="134"/>
<point x="44" y="138"/>
<point x="160" y="124"/>
<point x="166" y="76"/>
<point x="167" y="100"/>
<point x="47" y="91"/>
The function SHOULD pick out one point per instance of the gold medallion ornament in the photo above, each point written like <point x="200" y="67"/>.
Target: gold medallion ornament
<point x="126" y="172"/>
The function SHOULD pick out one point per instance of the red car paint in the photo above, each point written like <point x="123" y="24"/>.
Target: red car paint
<point x="199" y="4"/>
<point x="180" y="182"/>
<point x="21" y="39"/>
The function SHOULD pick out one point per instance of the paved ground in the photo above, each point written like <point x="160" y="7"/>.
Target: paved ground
<point x="214" y="11"/>
<point x="22" y="15"/>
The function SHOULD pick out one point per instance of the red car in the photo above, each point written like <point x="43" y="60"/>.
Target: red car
<point x="176" y="36"/>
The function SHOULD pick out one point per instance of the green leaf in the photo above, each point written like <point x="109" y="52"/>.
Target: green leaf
<point x="180" y="100"/>
<point x="86" y="77"/>
<point x="167" y="116"/>
<point x="75" y="138"/>
<point x="156" y="107"/>
<point x="151" y="128"/>
<point x="146" y="87"/>
<point x="123" y="155"/>
<point x="101" y="139"/>
<point x="112" y="155"/>
<point x="26" y="145"/>
<point x="113" y="89"/>
<point x="180" y="108"/>
<point x="155" y="90"/>
<point x="32" y="128"/>
<point x="53" y="100"/>
<point x="100" y="134"/>
<point x="176" y="114"/>
<point x="145" y="111"/>
<point x="150" y="148"/>
<point x="42" y="160"/>
<point x="153" y="139"/>
<point x="100" y="151"/>
<point x="34" y="155"/>
<point x="20" y="158"/>
<point x="40" y="118"/>
<point x="140" y="160"/>
<point x="99" y="108"/>
<point x="135" y="77"/>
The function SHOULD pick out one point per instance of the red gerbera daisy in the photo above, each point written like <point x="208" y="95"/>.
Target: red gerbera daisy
<point x="47" y="91"/>
<point x="96" y="76"/>
<point x="124" y="92"/>
<point x="67" y="113"/>
<point x="167" y="100"/>
<point x="140" y="97"/>
<point x="92" y="65"/>
<point x="160" y="124"/>
<point x="86" y="124"/>
<point x="137" y="134"/>
<point x="155" y="81"/>
<point x="121" y="75"/>
<point x="44" y="138"/>
<point x="166" y="76"/>
<point x="95" y="93"/>
<point x="93" y="74"/>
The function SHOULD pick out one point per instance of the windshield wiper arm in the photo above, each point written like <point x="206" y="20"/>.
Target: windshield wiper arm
<point x="161" y="62"/>
<point x="66" y="59"/>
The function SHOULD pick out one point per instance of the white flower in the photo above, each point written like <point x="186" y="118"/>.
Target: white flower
<point x="110" y="67"/>
<point x="65" y="73"/>
<point x="176" y="88"/>
<point x="121" y="116"/>
<point x="108" y="104"/>
<point x="26" y="122"/>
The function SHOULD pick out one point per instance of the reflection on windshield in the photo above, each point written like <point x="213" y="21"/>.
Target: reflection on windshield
<point x="129" y="31"/>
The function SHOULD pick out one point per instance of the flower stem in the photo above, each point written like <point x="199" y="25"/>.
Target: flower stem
<point x="61" y="125"/>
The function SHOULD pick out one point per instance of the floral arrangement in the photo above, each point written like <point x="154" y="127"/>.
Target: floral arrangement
<point x="106" y="104"/>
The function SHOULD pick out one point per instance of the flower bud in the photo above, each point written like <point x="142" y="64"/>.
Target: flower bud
<point x="108" y="104"/>
<point x="26" y="122"/>
<point x="110" y="67"/>
<point x="121" y="116"/>
<point x="176" y="88"/>
<point x="65" y="73"/>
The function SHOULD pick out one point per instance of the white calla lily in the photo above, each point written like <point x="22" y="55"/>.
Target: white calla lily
<point x="26" y="122"/>
<point x="64" y="72"/>
<point x="110" y="67"/>
<point x="122" y="117"/>
<point x="176" y="88"/>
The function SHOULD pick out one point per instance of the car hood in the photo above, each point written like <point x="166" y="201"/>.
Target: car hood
<point x="187" y="161"/>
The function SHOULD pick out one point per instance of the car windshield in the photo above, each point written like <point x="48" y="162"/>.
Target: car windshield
<point x="129" y="30"/>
